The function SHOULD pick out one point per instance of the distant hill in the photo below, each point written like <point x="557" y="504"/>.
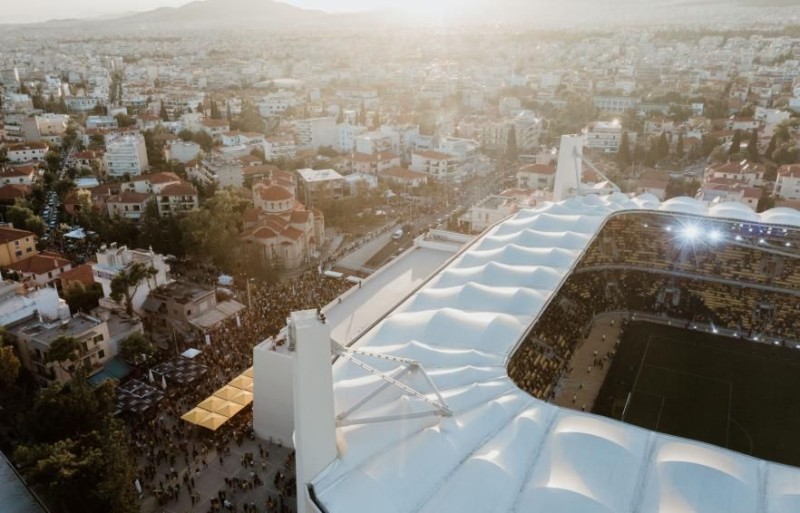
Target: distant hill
<point x="245" y="13"/>
<point x="272" y="15"/>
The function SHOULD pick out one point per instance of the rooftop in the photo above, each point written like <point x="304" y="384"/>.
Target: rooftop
<point x="46" y="333"/>
<point x="502" y="449"/>
<point x="318" y="175"/>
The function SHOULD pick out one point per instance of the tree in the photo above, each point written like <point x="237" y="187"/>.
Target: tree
<point x="215" y="112"/>
<point x="511" y="145"/>
<point x="154" y="148"/>
<point x="186" y="135"/>
<point x="136" y="348"/>
<point x="773" y="142"/>
<point x="163" y="114"/>
<point x="127" y="282"/>
<point x="752" y="146"/>
<point x="123" y="120"/>
<point x="63" y="349"/>
<point x="362" y="114"/>
<point x="679" y="149"/>
<point x="18" y="213"/>
<point x="204" y="140"/>
<point x="9" y="366"/>
<point x="53" y="160"/>
<point x="707" y="144"/>
<point x="36" y="225"/>
<point x="736" y="143"/>
<point x="97" y="141"/>
<point x="624" y="153"/>
<point x="663" y="146"/>
<point x="81" y="298"/>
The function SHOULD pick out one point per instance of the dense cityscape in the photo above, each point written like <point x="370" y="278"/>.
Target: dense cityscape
<point x="175" y="183"/>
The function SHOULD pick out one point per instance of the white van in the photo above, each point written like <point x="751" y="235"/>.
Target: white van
<point x="398" y="234"/>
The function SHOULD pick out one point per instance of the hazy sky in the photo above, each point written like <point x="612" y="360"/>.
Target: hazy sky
<point x="12" y="11"/>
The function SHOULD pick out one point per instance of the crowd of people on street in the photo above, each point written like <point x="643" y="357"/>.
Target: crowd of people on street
<point x="173" y="454"/>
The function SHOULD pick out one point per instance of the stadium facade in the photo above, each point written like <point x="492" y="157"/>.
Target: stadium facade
<point x="429" y="420"/>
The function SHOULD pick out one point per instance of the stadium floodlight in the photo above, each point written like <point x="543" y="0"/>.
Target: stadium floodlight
<point x="762" y="241"/>
<point x="739" y="238"/>
<point x="788" y="244"/>
<point x="668" y="228"/>
<point x="714" y="235"/>
<point x="691" y="232"/>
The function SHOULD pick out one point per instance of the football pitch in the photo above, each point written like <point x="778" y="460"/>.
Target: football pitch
<point x="729" y="392"/>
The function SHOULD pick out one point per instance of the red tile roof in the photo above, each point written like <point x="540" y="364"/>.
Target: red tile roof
<point x="275" y="193"/>
<point x="8" y="234"/>
<point x="433" y="155"/>
<point x="40" y="264"/>
<point x="179" y="189"/>
<point x="10" y="192"/>
<point x="539" y="169"/>
<point x="19" y="171"/>
<point x="129" y="197"/>
<point x="83" y="274"/>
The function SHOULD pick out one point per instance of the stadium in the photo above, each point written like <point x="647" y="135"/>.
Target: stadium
<point x="453" y="406"/>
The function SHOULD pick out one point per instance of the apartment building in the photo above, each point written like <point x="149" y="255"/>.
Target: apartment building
<point x="126" y="154"/>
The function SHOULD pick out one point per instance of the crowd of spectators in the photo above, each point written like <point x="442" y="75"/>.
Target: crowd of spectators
<point x="638" y="263"/>
<point x="723" y="249"/>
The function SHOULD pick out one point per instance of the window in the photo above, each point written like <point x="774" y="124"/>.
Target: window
<point x="18" y="253"/>
<point x="101" y="354"/>
<point x="98" y="338"/>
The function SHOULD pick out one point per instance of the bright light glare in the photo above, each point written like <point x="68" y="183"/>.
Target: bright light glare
<point x="691" y="232"/>
<point x="715" y="235"/>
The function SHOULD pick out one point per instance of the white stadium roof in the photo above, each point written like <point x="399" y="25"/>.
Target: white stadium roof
<point x="503" y="450"/>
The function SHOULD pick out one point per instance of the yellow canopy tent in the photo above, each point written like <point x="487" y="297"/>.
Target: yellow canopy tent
<point x="213" y="421"/>
<point x="211" y="403"/>
<point x="195" y="415"/>
<point x="243" y="382"/>
<point x="243" y="397"/>
<point x="229" y="408"/>
<point x="227" y="392"/>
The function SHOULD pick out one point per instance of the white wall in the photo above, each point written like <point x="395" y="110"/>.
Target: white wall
<point x="273" y="393"/>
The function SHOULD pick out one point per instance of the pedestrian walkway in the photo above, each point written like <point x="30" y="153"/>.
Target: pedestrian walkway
<point x="216" y="475"/>
<point x="578" y="389"/>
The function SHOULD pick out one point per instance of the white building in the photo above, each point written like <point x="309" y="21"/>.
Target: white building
<point x="528" y="129"/>
<point x="316" y="182"/>
<point x="462" y="149"/>
<point x="276" y="104"/>
<point x="9" y="78"/>
<point x="404" y="137"/>
<point x="787" y="184"/>
<point x="346" y="135"/>
<point x="604" y="136"/>
<point x="280" y="147"/>
<point x="126" y="153"/>
<point x="183" y="151"/>
<point x="435" y="164"/>
<point x="26" y="152"/>
<point x="93" y="122"/>
<point x="313" y="133"/>
<point x="536" y="176"/>
<point x="112" y="260"/>
<point x="370" y="143"/>
<point x="82" y="103"/>
<point x="615" y="103"/>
